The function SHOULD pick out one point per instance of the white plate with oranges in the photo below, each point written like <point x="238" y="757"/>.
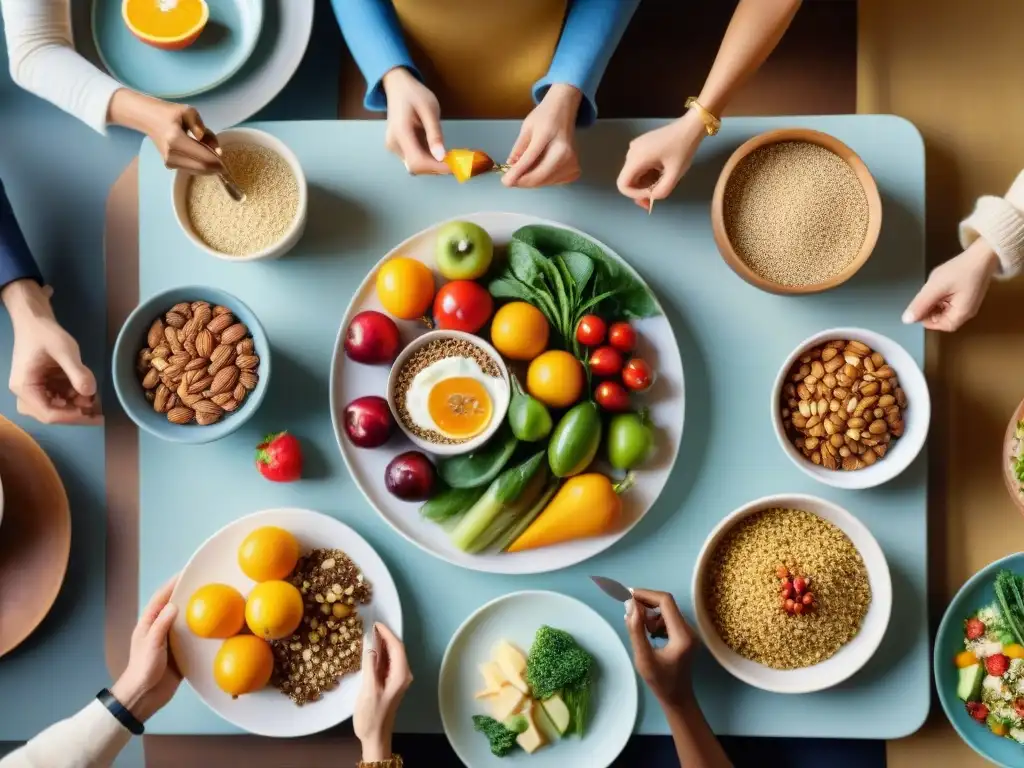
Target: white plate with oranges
<point x="247" y="602"/>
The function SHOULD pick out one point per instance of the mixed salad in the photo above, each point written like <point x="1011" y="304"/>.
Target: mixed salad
<point x="1016" y="457"/>
<point x="991" y="666"/>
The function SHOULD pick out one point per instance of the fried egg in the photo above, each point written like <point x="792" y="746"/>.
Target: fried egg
<point x="454" y="397"/>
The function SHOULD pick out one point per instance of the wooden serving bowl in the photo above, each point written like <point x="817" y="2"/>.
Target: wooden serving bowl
<point x="1012" y="484"/>
<point x="833" y="145"/>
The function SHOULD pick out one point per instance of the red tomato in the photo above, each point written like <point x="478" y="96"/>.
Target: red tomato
<point x="462" y="305"/>
<point x="605" y="361"/>
<point x="612" y="396"/>
<point x="590" y="331"/>
<point x="637" y="375"/>
<point x="622" y="337"/>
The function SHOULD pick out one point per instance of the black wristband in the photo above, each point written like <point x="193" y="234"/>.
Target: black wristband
<point x="121" y="712"/>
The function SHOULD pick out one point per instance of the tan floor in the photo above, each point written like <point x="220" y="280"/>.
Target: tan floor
<point x="954" y="69"/>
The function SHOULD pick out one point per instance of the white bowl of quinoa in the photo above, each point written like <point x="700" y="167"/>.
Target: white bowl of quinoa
<point x="268" y="222"/>
<point x="422" y="354"/>
<point x="740" y="606"/>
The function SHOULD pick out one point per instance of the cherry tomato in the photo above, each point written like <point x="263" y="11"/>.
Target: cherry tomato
<point x="462" y="305"/>
<point x="637" y="375"/>
<point x="622" y="337"/>
<point x="612" y="396"/>
<point x="590" y="331"/>
<point x="605" y="361"/>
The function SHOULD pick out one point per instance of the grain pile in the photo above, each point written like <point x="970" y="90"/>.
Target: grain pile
<point x="262" y="219"/>
<point x="795" y="213"/>
<point x="741" y="588"/>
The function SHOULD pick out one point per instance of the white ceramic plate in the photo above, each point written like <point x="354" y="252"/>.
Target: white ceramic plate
<point x="848" y="659"/>
<point x="349" y="380"/>
<point x="516" y="618"/>
<point x="917" y="418"/>
<point x="269" y="712"/>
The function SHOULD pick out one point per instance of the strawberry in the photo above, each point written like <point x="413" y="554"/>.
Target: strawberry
<point x="997" y="665"/>
<point x="279" y="458"/>
<point x="977" y="710"/>
<point x="974" y="628"/>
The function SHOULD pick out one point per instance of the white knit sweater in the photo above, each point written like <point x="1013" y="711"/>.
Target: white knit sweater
<point x="44" y="61"/>
<point x="90" y="739"/>
<point x="1000" y="220"/>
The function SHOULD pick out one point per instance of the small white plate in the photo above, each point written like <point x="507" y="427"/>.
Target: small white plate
<point x="516" y="618"/>
<point x="848" y="659"/>
<point x="269" y="712"/>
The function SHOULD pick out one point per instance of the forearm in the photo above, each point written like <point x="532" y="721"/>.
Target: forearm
<point x="90" y="739"/>
<point x="756" y="28"/>
<point x="374" y="37"/>
<point x="695" y="742"/>
<point x="591" y="33"/>
<point x="43" y="60"/>
<point x="26" y="301"/>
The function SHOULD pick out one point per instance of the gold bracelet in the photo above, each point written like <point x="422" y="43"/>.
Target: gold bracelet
<point x="711" y="123"/>
<point x="395" y="761"/>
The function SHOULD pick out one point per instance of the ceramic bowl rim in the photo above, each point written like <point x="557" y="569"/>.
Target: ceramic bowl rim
<point x="500" y="409"/>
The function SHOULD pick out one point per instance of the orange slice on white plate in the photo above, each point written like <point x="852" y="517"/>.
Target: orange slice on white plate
<point x="167" y="24"/>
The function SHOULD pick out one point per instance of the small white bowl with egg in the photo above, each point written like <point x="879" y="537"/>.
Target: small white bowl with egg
<point x="267" y="200"/>
<point x="451" y="396"/>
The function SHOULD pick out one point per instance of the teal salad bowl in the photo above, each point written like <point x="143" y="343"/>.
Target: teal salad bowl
<point x="132" y="339"/>
<point x="977" y="593"/>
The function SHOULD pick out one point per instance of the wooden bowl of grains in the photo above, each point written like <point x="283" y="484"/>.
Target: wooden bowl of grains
<point x="795" y="211"/>
<point x="1013" y="457"/>
<point x="772" y="555"/>
<point x="268" y="222"/>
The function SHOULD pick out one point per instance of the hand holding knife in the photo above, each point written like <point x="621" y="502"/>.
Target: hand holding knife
<point x="652" y="616"/>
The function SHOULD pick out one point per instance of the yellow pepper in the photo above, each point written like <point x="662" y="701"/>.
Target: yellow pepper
<point x="1014" y="651"/>
<point x="967" y="659"/>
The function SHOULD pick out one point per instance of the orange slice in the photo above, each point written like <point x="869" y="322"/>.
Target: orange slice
<point x="167" y="24"/>
<point x="466" y="163"/>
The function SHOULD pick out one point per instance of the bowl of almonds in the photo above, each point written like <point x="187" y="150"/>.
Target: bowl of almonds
<point x="851" y="408"/>
<point x="191" y="364"/>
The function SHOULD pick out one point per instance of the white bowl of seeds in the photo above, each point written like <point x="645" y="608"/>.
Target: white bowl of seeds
<point x="271" y="218"/>
<point x="745" y="594"/>
<point x="449" y="391"/>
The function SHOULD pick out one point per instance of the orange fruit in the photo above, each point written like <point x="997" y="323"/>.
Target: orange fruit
<point x="519" y="331"/>
<point x="405" y="287"/>
<point x="243" y="664"/>
<point x="273" y="610"/>
<point x="268" y="553"/>
<point x="215" y="610"/>
<point x="555" y="378"/>
<point x="166" y="24"/>
<point x="466" y="163"/>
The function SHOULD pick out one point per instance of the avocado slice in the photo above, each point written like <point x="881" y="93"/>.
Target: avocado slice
<point x="968" y="686"/>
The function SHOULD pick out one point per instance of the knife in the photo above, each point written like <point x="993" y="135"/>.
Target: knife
<point x="624" y="595"/>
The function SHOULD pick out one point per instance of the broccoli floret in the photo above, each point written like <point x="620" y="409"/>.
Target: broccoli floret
<point x="502" y="739"/>
<point x="555" y="661"/>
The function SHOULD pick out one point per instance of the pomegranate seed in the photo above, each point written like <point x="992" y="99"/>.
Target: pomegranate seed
<point x="787" y="590"/>
<point x="798" y="608"/>
<point x="799" y="584"/>
<point x="808" y="598"/>
<point x="790" y="606"/>
<point x="782" y="572"/>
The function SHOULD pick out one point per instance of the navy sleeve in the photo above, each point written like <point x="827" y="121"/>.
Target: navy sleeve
<point x="16" y="262"/>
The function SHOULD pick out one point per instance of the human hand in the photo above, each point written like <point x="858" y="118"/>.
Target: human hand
<point x="545" y="152"/>
<point x="386" y="678"/>
<point x="657" y="160"/>
<point x="955" y="290"/>
<point x="150" y="679"/>
<point x="48" y="378"/>
<point x="665" y="670"/>
<point x="414" y="123"/>
<point x="177" y="130"/>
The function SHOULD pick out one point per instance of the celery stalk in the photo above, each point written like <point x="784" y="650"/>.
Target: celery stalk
<point x="509" y="514"/>
<point x="505" y="489"/>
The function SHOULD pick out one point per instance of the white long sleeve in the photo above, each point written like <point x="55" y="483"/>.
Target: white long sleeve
<point x="44" y="61"/>
<point x="90" y="739"/>
<point x="1000" y="220"/>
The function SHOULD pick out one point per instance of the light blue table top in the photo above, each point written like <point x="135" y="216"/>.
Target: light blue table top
<point x="732" y="337"/>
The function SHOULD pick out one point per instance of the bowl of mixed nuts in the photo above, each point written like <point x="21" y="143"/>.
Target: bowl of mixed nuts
<point x="191" y="364"/>
<point x="851" y="408"/>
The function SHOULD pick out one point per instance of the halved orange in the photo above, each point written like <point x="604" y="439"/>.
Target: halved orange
<point x="167" y="24"/>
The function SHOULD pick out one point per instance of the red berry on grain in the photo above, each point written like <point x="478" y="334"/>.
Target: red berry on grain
<point x="974" y="628"/>
<point x="789" y="606"/>
<point x="808" y="598"/>
<point x="798" y="608"/>
<point x="782" y="572"/>
<point x="997" y="664"/>
<point x="977" y="710"/>
<point x="799" y="584"/>
<point x="787" y="590"/>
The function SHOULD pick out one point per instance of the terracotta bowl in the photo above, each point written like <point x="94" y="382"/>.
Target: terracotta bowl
<point x="833" y="145"/>
<point x="1012" y="484"/>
